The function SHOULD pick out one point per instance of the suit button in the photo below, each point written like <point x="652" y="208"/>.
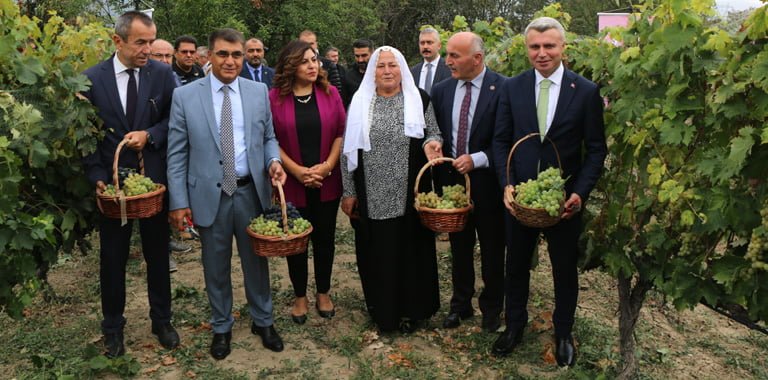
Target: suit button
<point x="221" y="162"/>
<point x="218" y="185"/>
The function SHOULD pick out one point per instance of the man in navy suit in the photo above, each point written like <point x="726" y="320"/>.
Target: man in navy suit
<point x="133" y="98"/>
<point x="568" y="110"/>
<point x="432" y="69"/>
<point x="254" y="67"/>
<point x="465" y="107"/>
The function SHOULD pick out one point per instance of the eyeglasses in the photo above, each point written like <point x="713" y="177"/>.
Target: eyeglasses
<point x="187" y="52"/>
<point x="160" y="55"/>
<point x="225" y="54"/>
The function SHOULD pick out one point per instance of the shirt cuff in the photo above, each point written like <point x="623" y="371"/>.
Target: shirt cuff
<point x="479" y="160"/>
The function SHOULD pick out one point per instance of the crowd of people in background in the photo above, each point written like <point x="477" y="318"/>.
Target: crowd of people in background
<point x="221" y="128"/>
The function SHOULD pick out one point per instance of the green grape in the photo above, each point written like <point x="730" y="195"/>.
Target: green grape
<point x="545" y="192"/>
<point x="453" y="197"/>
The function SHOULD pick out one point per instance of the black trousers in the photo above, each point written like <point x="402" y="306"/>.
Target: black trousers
<point x="562" y="241"/>
<point x="486" y="225"/>
<point x="322" y="215"/>
<point x="115" y="241"/>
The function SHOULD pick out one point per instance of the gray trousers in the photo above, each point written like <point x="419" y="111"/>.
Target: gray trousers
<point x="232" y="218"/>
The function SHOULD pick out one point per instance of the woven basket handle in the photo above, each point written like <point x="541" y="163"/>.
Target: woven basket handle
<point x="526" y="137"/>
<point x="283" y="207"/>
<point x="115" y="177"/>
<point x="429" y="165"/>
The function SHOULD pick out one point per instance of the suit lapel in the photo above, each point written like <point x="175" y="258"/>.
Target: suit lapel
<point x="567" y="90"/>
<point x="529" y="87"/>
<point x="248" y="111"/>
<point x="143" y="98"/>
<point x="487" y="91"/>
<point x="447" y="116"/>
<point x="206" y="104"/>
<point x="110" y="87"/>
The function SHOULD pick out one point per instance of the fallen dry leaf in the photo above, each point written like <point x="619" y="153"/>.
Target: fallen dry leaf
<point x="405" y="347"/>
<point x="542" y="322"/>
<point x="190" y="374"/>
<point x="369" y="336"/>
<point x="397" y="358"/>
<point x="168" y="360"/>
<point x="152" y="369"/>
<point x="549" y="354"/>
<point x="376" y="345"/>
<point x="236" y="314"/>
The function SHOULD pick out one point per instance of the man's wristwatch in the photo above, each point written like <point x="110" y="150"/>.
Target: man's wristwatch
<point x="150" y="140"/>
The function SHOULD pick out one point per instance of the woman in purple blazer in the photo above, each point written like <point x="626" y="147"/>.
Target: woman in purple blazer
<point x="309" y="120"/>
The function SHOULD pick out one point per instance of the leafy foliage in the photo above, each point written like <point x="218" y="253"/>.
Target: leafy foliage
<point x="45" y="202"/>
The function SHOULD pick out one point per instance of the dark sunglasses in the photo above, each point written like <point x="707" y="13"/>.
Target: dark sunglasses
<point x="226" y="54"/>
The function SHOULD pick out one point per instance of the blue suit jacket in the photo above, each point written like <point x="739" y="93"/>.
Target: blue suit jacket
<point x="267" y="74"/>
<point x="485" y="187"/>
<point x="577" y="130"/>
<point x="156" y="85"/>
<point x="195" y="171"/>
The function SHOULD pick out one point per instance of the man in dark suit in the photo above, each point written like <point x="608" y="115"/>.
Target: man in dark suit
<point x="254" y="67"/>
<point x="223" y="158"/>
<point x="465" y="107"/>
<point x="566" y="108"/>
<point x="432" y="69"/>
<point x="133" y="98"/>
<point x="331" y="68"/>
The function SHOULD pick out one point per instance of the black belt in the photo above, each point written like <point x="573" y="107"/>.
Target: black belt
<point x="242" y="181"/>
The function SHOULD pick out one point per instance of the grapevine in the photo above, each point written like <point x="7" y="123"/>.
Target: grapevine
<point x="270" y="223"/>
<point x="453" y="197"/>
<point x="545" y="192"/>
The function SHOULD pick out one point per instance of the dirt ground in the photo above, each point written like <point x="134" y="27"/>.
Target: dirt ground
<point x="691" y="344"/>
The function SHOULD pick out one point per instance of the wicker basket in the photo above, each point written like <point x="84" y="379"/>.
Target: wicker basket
<point x="133" y="207"/>
<point x="532" y="217"/>
<point x="442" y="220"/>
<point x="280" y="246"/>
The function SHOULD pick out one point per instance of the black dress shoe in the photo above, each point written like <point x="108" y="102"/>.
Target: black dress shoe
<point x="327" y="314"/>
<point x="491" y="323"/>
<point x="167" y="335"/>
<point x="269" y="337"/>
<point x="453" y="320"/>
<point x="113" y="342"/>
<point x="299" y="319"/>
<point x="507" y="341"/>
<point x="566" y="352"/>
<point x="220" y="345"/>
<point x="409" y="326"/>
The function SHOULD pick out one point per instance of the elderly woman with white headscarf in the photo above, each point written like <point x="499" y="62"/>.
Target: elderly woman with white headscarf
<point x="391" y="133"/>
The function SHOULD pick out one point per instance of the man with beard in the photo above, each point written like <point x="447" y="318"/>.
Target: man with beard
<point x="185" y="60"/>
<point x="362" y="49"/>
<point x="254" y="69"/>
<point x="433" y="69"/>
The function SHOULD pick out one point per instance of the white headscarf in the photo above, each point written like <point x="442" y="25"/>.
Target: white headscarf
<point x="359" y="116"/>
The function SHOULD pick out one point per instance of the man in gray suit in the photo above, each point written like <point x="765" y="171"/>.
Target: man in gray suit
<point x="221" y="145"/>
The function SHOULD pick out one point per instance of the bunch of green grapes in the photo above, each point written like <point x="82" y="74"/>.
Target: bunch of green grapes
<point x="270" y="222"/>
<point x="428" y="200"/>
<point x="544" y="192"/>
<point x="758" y="243"/>
<point x="110" y="191"/>
<point x="137" y="184"/>
<point x="456" y="194"/>
<point x="453" y="197"/>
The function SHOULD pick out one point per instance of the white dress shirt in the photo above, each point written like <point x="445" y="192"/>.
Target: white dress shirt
<point x="423" y="76"/>
<point x="238" y="121"/>
<point x="479" y="159"/>
<point x="554" y="91"/>
<point x="121" y="76"/>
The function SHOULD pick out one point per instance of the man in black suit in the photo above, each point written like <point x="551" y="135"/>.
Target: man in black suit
<point x="362" y="50"/>
<point x="185" y="60"/>
<point x="568" y="110"/>
<point x="433" y="69"/>
<point x="133" y="98"/>
<point x="254" y="67"/>
<point x="465" y="107"/>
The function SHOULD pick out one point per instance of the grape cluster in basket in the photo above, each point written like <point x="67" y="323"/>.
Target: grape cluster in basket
<point x="453" y="197"/>
<point x="270" y="223"/>
<point x="133" y="184"/>
<point x="545" y="192"/>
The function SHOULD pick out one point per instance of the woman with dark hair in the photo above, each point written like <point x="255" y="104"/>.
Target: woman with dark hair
<point x="309" y="120"/>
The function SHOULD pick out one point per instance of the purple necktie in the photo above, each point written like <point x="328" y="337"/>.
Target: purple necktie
<point x="461" y="137"/>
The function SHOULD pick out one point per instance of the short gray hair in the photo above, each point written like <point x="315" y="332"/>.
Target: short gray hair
<point x="430" y="30"/>
<point x="478" y="46"/>
<point x="542" y="24"/>
<point x="125" y="21"/>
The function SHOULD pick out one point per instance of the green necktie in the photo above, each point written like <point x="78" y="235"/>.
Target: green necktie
<point x="542" y="106"/>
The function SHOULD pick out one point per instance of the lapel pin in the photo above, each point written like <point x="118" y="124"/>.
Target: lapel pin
<point x="573" y="85"/>
<point x="492" y="87"/>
